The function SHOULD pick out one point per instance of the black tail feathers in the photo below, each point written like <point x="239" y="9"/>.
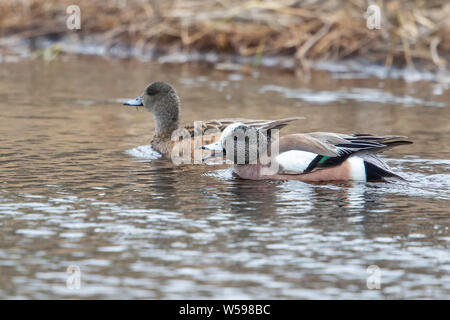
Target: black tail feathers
<point x="376" y="173"/>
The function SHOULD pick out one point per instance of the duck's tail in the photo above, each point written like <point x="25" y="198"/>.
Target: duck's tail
<point x="376" y="169"/>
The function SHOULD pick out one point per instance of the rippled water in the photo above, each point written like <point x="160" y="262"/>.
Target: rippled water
<point x="79" y="186"/>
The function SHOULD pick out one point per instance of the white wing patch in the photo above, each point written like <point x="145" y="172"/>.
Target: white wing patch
<point x="357" y="169"/>
<point x="294" y="161"/>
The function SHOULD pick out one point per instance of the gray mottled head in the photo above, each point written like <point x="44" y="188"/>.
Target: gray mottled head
<point x="240" y="143"/>
<point x="161" y="99"/>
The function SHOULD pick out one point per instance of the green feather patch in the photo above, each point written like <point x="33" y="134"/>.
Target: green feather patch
<point x="324" y="159"/>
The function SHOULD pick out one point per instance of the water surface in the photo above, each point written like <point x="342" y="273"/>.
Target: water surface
<point x="80" y="187"/>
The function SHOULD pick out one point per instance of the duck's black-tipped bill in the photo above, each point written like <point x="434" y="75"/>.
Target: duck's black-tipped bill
<point x="134" y="102"/>
<point x="213" y="156"/>
<point x="216" y="146"/>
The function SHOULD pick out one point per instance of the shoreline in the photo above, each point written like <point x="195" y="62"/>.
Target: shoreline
<point x="355" y="68"/>
<point x="411" y="34"/>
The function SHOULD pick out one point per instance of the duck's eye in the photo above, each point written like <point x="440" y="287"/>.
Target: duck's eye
<point x="151" y="92"/>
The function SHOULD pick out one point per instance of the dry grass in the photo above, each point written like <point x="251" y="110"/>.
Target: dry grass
<point x="412" y="32"/>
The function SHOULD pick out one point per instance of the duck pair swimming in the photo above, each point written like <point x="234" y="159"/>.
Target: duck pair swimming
<point x="161" y="99"/>
<point x="317" y="156"/>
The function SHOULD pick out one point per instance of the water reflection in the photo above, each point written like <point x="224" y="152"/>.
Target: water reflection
<point x="80" y="186"/>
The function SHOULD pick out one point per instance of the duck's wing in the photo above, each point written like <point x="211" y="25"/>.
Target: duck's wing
<point x="275" y="124"/>
<point x="220" y="124"/>
<point x="303" y="153"/>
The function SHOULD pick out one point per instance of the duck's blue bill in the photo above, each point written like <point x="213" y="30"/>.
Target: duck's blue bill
<point x="216" y="146"/>
<point x="134" y="102"/>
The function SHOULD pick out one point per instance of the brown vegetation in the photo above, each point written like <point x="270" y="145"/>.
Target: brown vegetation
<point x="411" y="32"/>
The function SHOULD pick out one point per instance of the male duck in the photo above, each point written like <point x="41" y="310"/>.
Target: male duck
<point x="161" y="99"/>
<point x="309" y="157"/>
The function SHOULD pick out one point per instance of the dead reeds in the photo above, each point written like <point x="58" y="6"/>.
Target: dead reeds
<point x="412" y="32"/>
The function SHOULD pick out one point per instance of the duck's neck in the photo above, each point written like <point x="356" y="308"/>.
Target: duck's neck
<point x="264" y="166"/>
<point x="163" y="129"/>
<point x="166" y="122"/>
<point x="247" y="171"/>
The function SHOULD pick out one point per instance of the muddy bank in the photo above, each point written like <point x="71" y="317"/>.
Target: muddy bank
<point x="415" y="34"/>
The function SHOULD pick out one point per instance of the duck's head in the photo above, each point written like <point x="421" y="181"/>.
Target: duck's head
<point x="161" y="99"/>
<point x="239" y="143"/>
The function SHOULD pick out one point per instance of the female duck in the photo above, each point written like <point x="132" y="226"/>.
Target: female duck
<point x="309" y="157"/>
<point x="163" y="102"/>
